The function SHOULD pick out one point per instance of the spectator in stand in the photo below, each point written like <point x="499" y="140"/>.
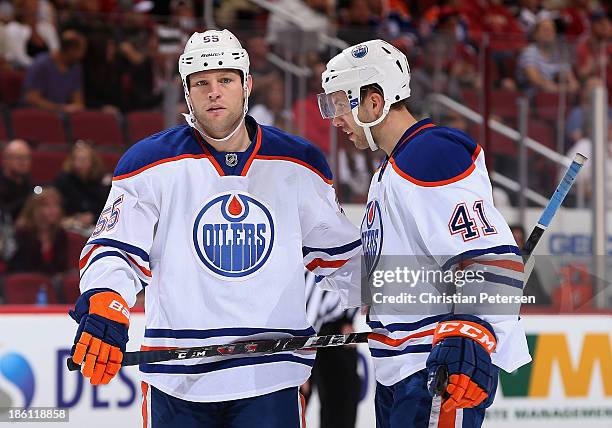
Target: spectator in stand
<point x="575" y="18"/>
<point x="183" y="16"/>
<point x="430" y="22"/>
<point x="136" y="40"/>
<point x="41" y="241"/>
<point x="544" y="65"/>
<point x="432" y="76"/>
<point x="462" y="58"/>
<point x="15" y="185"/>
<point x="318" y="129"/>
<point x="263" y="71"/>
<point x="229" y="13"/>
<point x="580" y="116"/>
<point x="489" y="16"/>
<point x="7" y="11"/>
<point x="83" y="186"/>
<point x="396" y="25"/>
<point x="529" y="13"/>
<point x="101" y="73"/>
<point x="594" y="50"/>
<point x="584" y="179"/>
<point x="55" y="81"/>
<point x="357" y="22"/>
<point x="272" y="111"/>
<point x="29" y="35"/>
<point x="174" y="32"/>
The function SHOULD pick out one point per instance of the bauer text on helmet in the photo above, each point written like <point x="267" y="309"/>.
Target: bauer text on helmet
<point x="372" y="62"/>
<point x="213" y="50"/>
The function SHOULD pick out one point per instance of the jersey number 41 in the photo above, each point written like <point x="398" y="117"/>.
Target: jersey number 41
<point x="461" y="222"/>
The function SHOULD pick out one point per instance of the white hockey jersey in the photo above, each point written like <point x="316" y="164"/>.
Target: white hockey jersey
<point x="220" y="241"/>
<point x="432" y="199"/>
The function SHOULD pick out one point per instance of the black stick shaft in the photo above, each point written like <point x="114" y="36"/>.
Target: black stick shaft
<point x="265" y="346"/>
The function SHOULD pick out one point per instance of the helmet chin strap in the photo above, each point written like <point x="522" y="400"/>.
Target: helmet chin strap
<point x="193" y="121"/>
<point x="366" y="126"/>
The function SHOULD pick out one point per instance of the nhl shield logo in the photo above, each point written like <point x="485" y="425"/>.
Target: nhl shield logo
<point x="231" y="159"/>
<point x="233" y="235"/>
<point x="372" y="235"/>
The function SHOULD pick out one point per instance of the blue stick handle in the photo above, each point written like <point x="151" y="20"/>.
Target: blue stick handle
<point x="562" y="189"/>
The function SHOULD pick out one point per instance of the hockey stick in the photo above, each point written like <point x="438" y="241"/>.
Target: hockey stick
<point x="441" y="378"/>
<point x="551" y="209"/>
<point x="265" y="346"/>
<point x="270" y="346"/>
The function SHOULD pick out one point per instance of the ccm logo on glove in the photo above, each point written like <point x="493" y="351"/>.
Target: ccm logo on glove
<point x="466" y="329"/>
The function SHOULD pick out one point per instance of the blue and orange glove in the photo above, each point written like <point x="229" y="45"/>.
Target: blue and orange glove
<point x="461" y="354"/>
<point x="104" y="318"/>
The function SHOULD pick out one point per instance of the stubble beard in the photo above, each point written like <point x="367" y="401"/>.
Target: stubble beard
<point x="219" y="127"/>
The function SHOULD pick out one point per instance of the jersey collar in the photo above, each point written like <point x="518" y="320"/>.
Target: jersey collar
<point x="406" y="137"/>
<point x="249" y="154"/>
<point x="411" y="133"/>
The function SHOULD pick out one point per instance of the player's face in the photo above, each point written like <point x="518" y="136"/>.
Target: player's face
<point x="354" y="132"/>
<point x="217" y="97"/>
<point x="336" y="106"/>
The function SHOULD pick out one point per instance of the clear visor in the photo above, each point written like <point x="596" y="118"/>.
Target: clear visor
<point x="334" y="104"/>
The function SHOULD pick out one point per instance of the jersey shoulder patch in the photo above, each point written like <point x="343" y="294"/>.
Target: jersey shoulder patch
<point x="163" y="146"/>
<point x="436" y="157"/>
<point x="280" y="145"/>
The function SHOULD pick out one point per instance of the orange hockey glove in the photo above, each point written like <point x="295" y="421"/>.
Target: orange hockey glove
<point x="103" y="318"/>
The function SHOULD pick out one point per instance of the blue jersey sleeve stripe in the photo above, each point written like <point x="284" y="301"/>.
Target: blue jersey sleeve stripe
<point x="332" y="251"/>
<point x="224" y="364"/>
<point x="502" y="279"/>
<point x="121" y="246"/>
<point x="219" y="332"/>
<point x="384" y="353"/>
<point x="105" y="254"/>
<point x="500" y="249"/>
<point x="407" y="326"/>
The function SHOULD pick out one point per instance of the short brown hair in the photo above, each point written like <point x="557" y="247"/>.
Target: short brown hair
<point x="365" y="90"/>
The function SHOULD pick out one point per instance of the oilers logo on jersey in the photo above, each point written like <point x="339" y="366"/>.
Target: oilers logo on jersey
<point x="233" y="235"/>
<point x="372" y="235"/>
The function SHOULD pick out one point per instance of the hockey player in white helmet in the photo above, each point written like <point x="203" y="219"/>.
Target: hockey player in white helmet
<point x="217" y="219"/>
<point x="429" y="202"/>
<point x="206" y="56"/>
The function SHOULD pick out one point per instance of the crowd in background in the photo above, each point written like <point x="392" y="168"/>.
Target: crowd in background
<point x="119" y="57"/>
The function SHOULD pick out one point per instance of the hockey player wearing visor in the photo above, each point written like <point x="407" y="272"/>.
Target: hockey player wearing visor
<point x="217" y="219"/>
<point x="431" y="198"/>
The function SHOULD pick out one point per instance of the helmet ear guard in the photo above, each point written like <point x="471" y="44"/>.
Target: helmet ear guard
<point x="372" y="62"/>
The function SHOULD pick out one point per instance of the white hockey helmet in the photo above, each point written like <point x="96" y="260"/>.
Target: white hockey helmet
<point x="213" y="50"/>
<point x="372" y="62"/>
